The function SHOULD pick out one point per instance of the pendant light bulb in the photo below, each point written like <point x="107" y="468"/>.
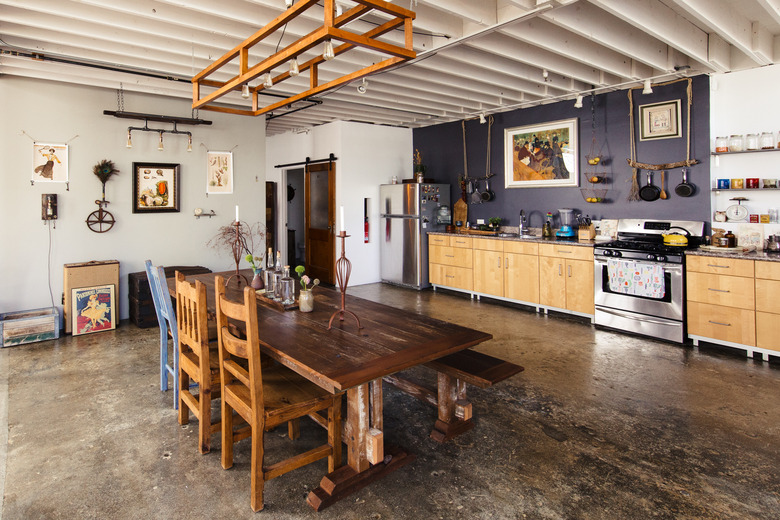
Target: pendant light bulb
<point x="129" y="140"/>
<point x="294" y="67"/>
<point x="578" y="102"/>
<point x="189" y="143"/>
<point x="288" y="3"/>
<point x="160" y="146"/>
<point x="648" y="89"/>
<point x="245" y="91"/>
<point x="328" y="54"/>
<point x="267" y="83"/>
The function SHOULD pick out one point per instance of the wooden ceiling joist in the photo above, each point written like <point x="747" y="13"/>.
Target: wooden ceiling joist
<point x="331" y="29"/>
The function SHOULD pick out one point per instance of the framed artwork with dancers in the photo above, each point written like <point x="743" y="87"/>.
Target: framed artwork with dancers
<point x="543" y="155"/>
<point x="50" y="162"/>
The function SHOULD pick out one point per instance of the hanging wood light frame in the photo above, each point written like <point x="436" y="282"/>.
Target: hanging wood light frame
<point x="331" y="29"/>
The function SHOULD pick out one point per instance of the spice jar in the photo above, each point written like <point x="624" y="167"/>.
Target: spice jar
<point x="767" y="141"/>
<point x="721" y="144"/>
<point x="731" y="239"/>
<point x="735" y="143"/>
<point x="751" y="142"/>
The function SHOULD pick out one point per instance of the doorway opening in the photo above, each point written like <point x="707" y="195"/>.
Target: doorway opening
<point x="296" y="211"/>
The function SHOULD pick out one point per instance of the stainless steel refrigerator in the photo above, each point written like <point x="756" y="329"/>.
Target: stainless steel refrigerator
<point x="408" y="212"/>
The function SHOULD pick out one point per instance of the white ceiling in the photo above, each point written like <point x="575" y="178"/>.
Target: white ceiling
<point x="474" y="56"/>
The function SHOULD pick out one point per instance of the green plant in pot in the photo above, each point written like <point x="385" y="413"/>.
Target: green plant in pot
<point x="495" y="222"/>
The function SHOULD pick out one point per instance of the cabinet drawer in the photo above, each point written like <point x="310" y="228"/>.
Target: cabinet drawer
<point x="723" y="323"/>
<point x="768" y="331"/>
<point x="447" y="255"/>
<point x="459" y="241"/>
<point x="487" y="244"/>
<point x="449" y="276"/>
<point x="729" y="266"/>
<point x="731" y="291"/>
<point x="566" y="251"/>
<point x="521" y="248"/>
<point x="439" y="240"/>
<point x="768" y="270"/>
<point x="767" y="292"/>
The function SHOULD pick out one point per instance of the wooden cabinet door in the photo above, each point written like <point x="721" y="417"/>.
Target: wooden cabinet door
<point x="768" y="330"/>
<point x="579" y="286"/>
<point x="488" y="272"/>
<point x="720" y="322"/>
<point x="521" y="277"/>
<point x="552" y="281"/>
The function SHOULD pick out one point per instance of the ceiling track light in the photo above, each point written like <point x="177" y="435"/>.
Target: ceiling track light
<point x="267" y="81"/>
<point x="294" y="71"/>
<point x="328" y="53"/>
<point x="578" y="102"/>
<point x="288" y="3"/>
<point x="648" y="88"/>
<point x="482" y="119"/>
<point x="189" y="143"/>
<point x="129" y="139"/>
<point x="363" y="87"/>
<point x="545" y="74"/>
<point x="160" y="146"/>
<point x="245" y="91"/>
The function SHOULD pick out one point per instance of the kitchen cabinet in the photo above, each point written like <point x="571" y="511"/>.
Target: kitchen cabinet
<point x="450" y="262"/>
<point x="566" y="277"/>
<point x="767" y="280"/>
<point x="488" y="266"/>
<point x="521" y="271"/>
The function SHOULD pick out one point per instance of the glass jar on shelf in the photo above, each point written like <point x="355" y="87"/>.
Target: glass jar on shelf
<point x="288" y="287"/>
<point x="751" y="142"/>
<point x="767" y="141"/>
<point x="721" y="144"/>
<point x="736" y="143"/>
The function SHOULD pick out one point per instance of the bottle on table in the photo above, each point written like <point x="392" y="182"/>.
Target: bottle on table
<point x="288" y="287"/>
<point x="268" y="274"/>
<point x="278" y="274"/>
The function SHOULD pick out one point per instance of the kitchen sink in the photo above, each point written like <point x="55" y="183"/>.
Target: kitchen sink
<point x="515" y="235"/>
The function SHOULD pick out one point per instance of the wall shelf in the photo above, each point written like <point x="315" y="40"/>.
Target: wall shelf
<point x="746" y="151"/>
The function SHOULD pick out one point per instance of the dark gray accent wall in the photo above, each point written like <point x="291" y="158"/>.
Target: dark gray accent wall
<point x="442" y="153"/>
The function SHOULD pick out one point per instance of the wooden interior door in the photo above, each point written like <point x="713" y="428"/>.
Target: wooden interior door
<point x="270" y="215"/>
<point x="320" y="221"/>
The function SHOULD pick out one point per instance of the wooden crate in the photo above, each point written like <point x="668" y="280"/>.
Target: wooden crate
<point x="20" y="327"/>
<point x="87" y="274"/>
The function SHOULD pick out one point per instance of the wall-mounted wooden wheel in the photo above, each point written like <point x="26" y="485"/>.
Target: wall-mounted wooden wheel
<point x="100" y="221"/>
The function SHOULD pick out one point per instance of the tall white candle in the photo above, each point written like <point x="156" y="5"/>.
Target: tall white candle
<point x="236" y="212"/>
<point x="341" y="215"/>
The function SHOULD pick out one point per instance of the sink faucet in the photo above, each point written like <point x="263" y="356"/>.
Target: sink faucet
<point x="521" y="228"/>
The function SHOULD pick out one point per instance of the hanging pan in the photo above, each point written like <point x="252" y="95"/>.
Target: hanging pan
<point x="650" y="192"/>
<point x="685" y="188"/>
<point x="488" y="194"/>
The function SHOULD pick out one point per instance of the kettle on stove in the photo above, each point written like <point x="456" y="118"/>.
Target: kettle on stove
<point x="772" y="244"/>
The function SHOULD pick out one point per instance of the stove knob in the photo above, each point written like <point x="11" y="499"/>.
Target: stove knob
<point x="608" y="253"/>
<point x="617" y="253"/>
<point x="660" y="258"/>
<point x="650" y="257"/>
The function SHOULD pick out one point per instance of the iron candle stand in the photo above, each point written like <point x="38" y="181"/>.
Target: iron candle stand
<point x="237" y="257"/>
<point x="343" y="270"/>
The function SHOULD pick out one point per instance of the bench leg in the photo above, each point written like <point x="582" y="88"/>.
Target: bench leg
<point x="454" y="409"/>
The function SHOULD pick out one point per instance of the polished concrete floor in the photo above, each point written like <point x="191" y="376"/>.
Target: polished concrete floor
<point x="600" y="425"/>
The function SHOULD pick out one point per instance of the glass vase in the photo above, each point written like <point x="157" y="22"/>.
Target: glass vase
<point x="257" y="282"/>
<point x="306" y="300"/>
<point x="288" y="287"/>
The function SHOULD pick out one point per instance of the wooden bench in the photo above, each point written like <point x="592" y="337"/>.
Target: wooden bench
<point x="454" y="372"/>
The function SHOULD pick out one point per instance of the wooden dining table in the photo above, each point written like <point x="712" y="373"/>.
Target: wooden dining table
<point x="352" y="360"/>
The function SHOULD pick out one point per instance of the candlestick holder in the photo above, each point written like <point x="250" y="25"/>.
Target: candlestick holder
<point x="343" y="270"/>
<point x="237" y="250"/>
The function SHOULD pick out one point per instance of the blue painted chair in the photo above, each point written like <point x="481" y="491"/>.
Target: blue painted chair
<point x="167" y="319"/>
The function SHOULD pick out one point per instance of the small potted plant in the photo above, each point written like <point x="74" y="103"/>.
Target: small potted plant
<point x="306" y="298"/>
<point x="495" y="222"/>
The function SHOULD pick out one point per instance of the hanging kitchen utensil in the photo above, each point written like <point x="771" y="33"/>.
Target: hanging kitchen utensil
<point x="488" y="194"/>
<point x="476" y="196"/>
<point x="663" y="184"/>
<point x="649" y="192"/>
<point x="685" y="189"/>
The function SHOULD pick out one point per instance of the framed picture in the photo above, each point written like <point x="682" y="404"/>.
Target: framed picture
<point x="219" y="172"/>
<point x="155" y="187"/>
<point x="50" y="162"/>
<point x="660" y="121"/>
<point x="542" y="155"/>
<point x="93" y="309"/>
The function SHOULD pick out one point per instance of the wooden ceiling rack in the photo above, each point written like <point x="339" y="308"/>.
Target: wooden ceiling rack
<point x="332" y="29"/>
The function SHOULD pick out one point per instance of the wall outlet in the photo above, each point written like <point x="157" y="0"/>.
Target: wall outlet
<point x="480" y="221"/>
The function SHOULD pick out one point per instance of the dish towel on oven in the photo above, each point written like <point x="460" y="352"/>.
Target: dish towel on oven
<point x="636" y="278"/>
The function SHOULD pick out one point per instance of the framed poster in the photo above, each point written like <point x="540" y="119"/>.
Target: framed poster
<point x="542" y="155"/>
<point x="93" y="309"/>
<point x="155" y="188"/>
<point x="660" y="121"/>
<point x="50" y="162"/>
<point x="219" y="172"/>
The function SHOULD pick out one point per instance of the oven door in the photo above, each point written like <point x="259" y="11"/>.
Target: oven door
<point x="669" y="306"/>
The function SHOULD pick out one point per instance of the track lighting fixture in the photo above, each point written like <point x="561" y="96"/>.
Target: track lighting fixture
<point x="362" y="88"/>
<point x="288" y="3"/>
<point x="294" y="67"/>
<point x="245" y="91"/>
<point x="328" y="53"/>
<point x="482" y="119"/>
<point x="267" y="82"/>
<point x="189" y="143"/>
<point x="648" y="88"/>
<point x="129" y="139"/>
<point x="578" y="102"/>
<point x="545" y="74"/>
<point x="160" y="146"/>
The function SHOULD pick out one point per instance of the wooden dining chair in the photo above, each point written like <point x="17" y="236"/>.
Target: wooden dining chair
<point x="167" y="320"/>
<point x="266" y="396"/>
<point x="198" y="360"/>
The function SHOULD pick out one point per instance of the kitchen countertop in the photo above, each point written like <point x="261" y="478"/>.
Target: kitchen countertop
<point x="752" y="255"/>
<point x="533" y="239"/>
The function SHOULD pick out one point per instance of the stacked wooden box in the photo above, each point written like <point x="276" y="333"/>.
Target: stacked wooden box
<point x="141" y="304"/>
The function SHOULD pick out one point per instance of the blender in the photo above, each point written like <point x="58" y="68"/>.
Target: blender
<point x="567" y="221"/>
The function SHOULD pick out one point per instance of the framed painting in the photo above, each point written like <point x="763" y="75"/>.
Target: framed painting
<point x="660" y="121"/>
<point x="542" y="155"/>
<point x="50" y="162"/>
<point x="155" y="187"/>
<point x="219" y="172"/>
<point x="93" y="309"/>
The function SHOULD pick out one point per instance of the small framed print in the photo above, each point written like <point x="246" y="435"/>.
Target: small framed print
<point x="50" y="162"/>
<point x="155" y="188"/>
<point x="660" y="121"/>
<point x="93" y="309"/>
<point x="219" y="172"/>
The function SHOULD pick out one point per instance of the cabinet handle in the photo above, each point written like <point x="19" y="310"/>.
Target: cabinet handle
<point x="560" y="269"/>
<point x="569" y="268"/>
<point x="718" y="290"/>
<point x="720" y="266"/>
<point x="449" y="276"/>
<point x="506" y="262"/>
<point x="563" y="252"/>
<point x="719" y="323"/>
<point x="450" y="256"/>
<point x="499" y="262"/>
<point x="460" y="241"/>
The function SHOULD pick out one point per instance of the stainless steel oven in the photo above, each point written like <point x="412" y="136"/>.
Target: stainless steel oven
<point x="640" y="283"/>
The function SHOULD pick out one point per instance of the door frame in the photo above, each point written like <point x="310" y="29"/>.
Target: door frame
<point x="329" y="167"/>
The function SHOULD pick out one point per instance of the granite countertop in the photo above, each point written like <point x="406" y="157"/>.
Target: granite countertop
<point x="750" y="255"/>
<point x="534" y="239"/>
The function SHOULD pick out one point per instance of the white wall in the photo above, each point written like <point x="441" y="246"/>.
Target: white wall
<point x="741" y="103"/>
<point x="64" y="113"/>
<point x="368" y="155"/>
